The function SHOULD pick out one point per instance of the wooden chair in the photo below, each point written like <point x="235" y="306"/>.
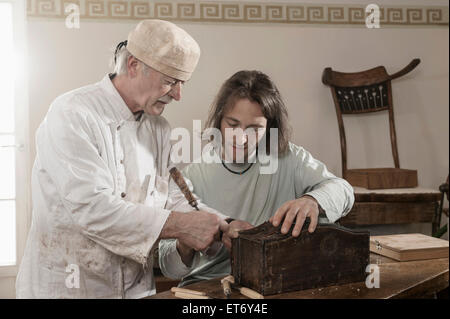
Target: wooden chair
<point x="437" y="230"/>
<point x="382" y="195"/>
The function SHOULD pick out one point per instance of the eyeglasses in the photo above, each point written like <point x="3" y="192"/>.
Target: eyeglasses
<point x="173" y="82"/>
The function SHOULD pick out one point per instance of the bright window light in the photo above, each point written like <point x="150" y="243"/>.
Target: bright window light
<point x="7" y="139"/>
<point x="7" y="67"/>
<point x="7" y="167"/>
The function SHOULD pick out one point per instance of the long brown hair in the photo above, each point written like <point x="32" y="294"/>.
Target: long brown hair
<point x="259" y="88"/>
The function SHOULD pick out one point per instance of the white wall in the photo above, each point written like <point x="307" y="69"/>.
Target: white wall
<point x="294" y="56"/>
<point x="62" y="59"/>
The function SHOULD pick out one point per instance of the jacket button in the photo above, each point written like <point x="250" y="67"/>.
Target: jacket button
<point x="121" y="161"/>
<point x="123" y="195"/>
<point x="118" y="128"/>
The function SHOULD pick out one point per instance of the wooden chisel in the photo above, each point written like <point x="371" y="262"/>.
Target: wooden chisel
<point x="181" y="183"/>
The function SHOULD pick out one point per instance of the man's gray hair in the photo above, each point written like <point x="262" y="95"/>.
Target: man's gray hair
<point x="120" y="67"/>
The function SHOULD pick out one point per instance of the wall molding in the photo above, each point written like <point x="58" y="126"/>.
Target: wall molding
<point x="240" y="12"/>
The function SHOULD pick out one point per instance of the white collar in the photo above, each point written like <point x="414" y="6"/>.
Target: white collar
<point x="119" y="107"/>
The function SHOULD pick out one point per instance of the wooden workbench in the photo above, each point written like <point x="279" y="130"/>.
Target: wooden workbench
<point x="413" y="279"/>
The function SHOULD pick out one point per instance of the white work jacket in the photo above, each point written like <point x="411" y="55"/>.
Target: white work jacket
<point x="101" y="196"/>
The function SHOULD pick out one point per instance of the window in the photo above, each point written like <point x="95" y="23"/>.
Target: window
<point x="14" y="165"/>
<point x="7" y="156"/>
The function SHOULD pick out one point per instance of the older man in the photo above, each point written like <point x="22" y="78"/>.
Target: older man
<point x="101" y="191"/>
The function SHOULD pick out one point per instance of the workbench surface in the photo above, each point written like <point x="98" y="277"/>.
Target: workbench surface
<point x="412" y="279"/>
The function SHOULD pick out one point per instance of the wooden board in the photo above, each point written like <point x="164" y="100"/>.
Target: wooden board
<point x="406" y="247"/>
<point x="382" y="178"/>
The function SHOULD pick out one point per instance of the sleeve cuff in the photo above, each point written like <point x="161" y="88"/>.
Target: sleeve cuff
<point x="323" y="204"/>
<point x="156" y="230"/>
<point x="170" y="261"/>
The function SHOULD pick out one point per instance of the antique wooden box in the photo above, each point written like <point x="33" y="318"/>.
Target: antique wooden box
<point x="382" y="178"/>
<point x="269" y="262"/>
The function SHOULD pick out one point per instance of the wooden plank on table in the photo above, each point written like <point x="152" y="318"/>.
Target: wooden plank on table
<point x="406" y="247"/>
<point x="381" y="213"/>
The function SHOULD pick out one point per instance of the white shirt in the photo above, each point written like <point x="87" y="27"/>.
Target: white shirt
<point x="255" y="197"/>
<point x="101" y="196"/>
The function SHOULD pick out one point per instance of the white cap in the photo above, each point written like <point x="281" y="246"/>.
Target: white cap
<point x="165" y="47"/>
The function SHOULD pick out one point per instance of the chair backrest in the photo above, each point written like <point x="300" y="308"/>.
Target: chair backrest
<point x="364" y="92"/>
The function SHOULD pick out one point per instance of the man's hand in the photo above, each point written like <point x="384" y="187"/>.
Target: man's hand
<point x="233" y="232"/>
<point x="197" y="229"/>
<point x="186" y="253"/>
<point x="297" y="210"/>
